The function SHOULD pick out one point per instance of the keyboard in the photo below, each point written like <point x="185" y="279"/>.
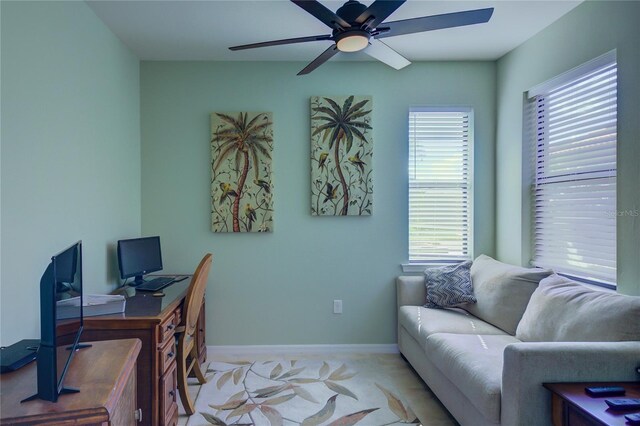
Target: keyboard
<point x="18" y="355"/>
<point x="155" y="284"/>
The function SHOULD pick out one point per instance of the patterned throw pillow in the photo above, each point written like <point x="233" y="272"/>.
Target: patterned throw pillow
<point x="449" y="286"/>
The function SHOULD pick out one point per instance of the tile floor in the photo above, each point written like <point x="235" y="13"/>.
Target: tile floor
<point x="428" y="409"/>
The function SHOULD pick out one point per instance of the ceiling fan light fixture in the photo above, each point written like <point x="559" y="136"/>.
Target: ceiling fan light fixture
<point x="352" y="41"/>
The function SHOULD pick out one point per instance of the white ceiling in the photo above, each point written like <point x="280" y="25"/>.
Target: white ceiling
<point x="203" y="30"/>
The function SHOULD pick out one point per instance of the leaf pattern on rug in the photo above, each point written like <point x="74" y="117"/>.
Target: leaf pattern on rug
<point x="324" y="370"/>
<point x="274" y="417"/>
<point x="229" y="405"/>
<point x="304" y="394"/>
<point x="224" y="379"/>
<point x="353" y="418"/>
<point x="278" y="400"/>
<point x="268" y="388"/>
<point x="398" y="408"/>
<point x="339" y="374"/>
<point x="276" y="371"/>
<point x="290" y="373"/>
<point x="340" y="389"/>
<point x="213" y="419"/>
<point x="323" y="415"/>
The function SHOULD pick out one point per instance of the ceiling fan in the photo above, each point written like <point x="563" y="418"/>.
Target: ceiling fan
<point x="356" y="27"/>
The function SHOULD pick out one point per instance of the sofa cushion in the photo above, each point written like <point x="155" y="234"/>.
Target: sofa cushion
<point x="502" y="291"/>
<point x="448" y="286"/>
<point x="474" y="364"/>
<point x="422" y="322"/>
<point x="562" y="310"/>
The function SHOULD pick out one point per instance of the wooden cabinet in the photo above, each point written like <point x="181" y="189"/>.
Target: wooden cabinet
<point x="127" y="412"/>
<point x="153" y="320"/>
<point x="571" y="406"/>
<point x="105" y="375"/>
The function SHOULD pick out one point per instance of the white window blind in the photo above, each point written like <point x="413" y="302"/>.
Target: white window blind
<point x="440" y="142"/>
<point x="574" y="194"/>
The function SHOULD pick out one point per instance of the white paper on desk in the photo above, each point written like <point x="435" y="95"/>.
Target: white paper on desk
<point x="101" y="299"/>
<point x="93" y="305"/>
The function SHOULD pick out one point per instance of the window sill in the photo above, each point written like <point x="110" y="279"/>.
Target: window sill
<point x="418" y="268"/>
<point x="596" y="285"/>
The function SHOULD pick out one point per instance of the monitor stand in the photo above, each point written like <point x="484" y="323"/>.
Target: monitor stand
<point x="79" y="346"/>
<point x="137" y="281"/>
<point x="63" y="391"/>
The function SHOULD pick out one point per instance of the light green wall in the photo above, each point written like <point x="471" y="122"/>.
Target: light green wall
<point x="278" y="288"/>
<point x="70" y="150"/>
<point x="588" y="31"/>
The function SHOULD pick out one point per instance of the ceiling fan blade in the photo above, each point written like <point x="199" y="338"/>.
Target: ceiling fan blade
<point x="378" y="12"/>
<point x="435" y="22"/>
<point x="384" y="53"/>
<point x="322" y="13"/>
<point x="283" y="41"/>
<point x="324" y="57"/>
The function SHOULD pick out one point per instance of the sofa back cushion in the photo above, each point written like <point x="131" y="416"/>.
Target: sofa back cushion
<point x="562" y="310"/>
<point x="502" y="291"/>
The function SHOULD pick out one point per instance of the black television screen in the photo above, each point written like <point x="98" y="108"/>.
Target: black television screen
<point x="138" y="257"/>
<point x="60" y="320"/>
<point x="67" y="266"/>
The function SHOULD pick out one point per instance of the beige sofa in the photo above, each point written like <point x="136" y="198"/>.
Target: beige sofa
<point x="487" y="363"/>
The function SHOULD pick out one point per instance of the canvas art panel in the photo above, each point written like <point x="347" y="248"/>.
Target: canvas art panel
<point x="341" y="154"/>
<point x="241" y="183"/>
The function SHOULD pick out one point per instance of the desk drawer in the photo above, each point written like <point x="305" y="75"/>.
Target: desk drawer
<point x="168" y="394"/>
<point x="171" y="419"/>
<point x="167" y="355"/>
<point x="167" y="328"/>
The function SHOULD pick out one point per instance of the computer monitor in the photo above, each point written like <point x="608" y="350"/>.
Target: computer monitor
<point x="60" y="321"/>
<point x="138" y="257"/>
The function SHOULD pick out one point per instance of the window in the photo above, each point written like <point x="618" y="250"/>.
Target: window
<point x="574" y="191"/>
<point x="440" y="177"/>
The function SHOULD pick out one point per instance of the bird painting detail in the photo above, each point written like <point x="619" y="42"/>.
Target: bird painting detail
<point x="355" y="160"/>
<point x="263" y="184"/>
<point x="227" y="191"/>
<point x="331" y="193"/>
<point x="250" y="213"/>
<point x="323" y="159"/>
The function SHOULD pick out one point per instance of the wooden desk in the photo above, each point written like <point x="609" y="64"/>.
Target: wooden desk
<point x="571" y="406"/>
<point x="104" y="373"/>
<point x="152" y="320"/>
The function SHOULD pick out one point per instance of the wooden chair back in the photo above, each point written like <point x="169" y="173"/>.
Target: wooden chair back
<point x="187" y="359"/>
<point x="195" y="294"/>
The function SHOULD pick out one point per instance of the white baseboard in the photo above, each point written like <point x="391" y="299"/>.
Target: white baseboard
<point x="301" y="349"/>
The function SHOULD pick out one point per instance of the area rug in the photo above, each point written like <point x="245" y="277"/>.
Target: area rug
<point x="305" y="392"/>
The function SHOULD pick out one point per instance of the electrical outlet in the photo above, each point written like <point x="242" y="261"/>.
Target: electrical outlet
<point x="337" y="306"/>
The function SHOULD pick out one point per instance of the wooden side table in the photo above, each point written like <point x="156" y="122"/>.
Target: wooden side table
<point x="571" y="406"/>
<point x="105" y="375"/>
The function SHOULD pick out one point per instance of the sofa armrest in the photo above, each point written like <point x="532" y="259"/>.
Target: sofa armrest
<point x="410" y="290"/>
<point x="528" y="365"/>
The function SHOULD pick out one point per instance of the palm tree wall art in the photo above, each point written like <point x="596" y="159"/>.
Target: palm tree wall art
<point x="241" y="186"/>
<point x="341" y="154"/>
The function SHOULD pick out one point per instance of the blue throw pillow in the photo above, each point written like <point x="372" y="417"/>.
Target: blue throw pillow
<point x="449" y="286"/>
